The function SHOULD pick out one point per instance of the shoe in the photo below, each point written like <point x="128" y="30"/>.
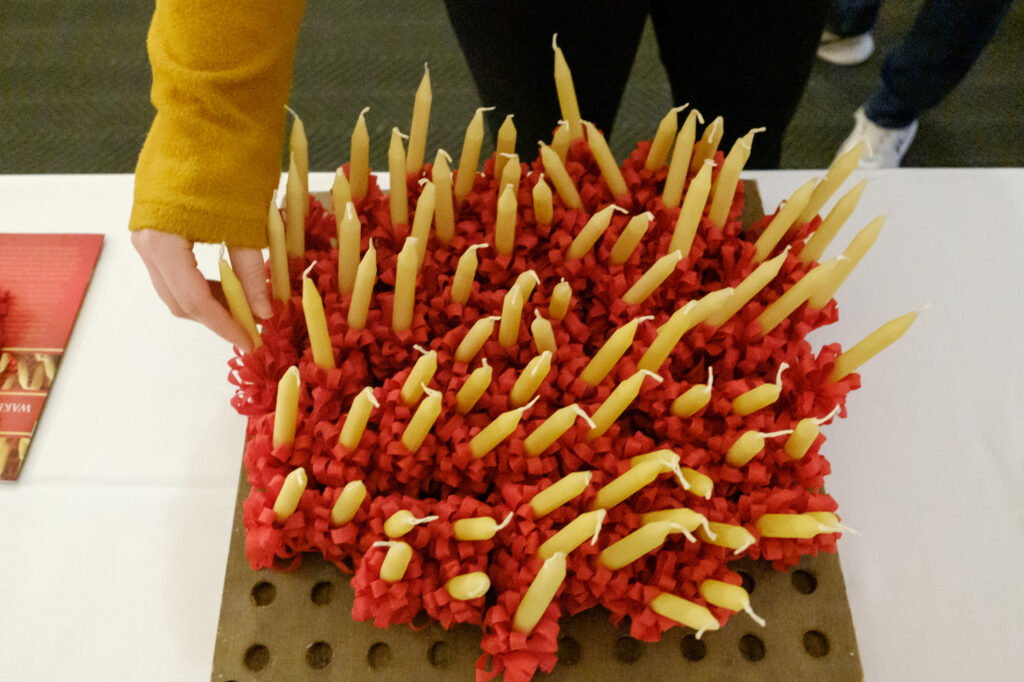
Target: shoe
<point x="845" y="50"/>
<point x="885" y="147"/>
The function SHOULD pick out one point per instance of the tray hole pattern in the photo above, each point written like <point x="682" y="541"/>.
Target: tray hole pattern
<point x="628" y="649"/>
<point x="692" y="648"/>
<point x="804" y="582"/>
<point x="752" y="648"/>
<point x="568" y="651"/>
<point x="322" y="593"/>
<point x="748" y="581"/>
<point x="379" y="655"/>
<point x="816" y="643"/>
<point x="440" y="654"/>
<point x="256" y="657"/>
<point x="263" y="593"/>
<point x="318" y="655"/>
<point x="421" y="620"/>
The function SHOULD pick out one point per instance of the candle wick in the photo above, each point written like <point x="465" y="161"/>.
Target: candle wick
<point x="778" y="377"/>
<point x="372" y="398"/>
<point x="485" y="108"/>
<point x="680" y="107"/>
<point x="750" y="612"/>
<point x="829" y="416"/>
<point x="528" y="405"/>
<point x="651" y="374"/>
<point x="601" y="513"/>
<point x="773" y="434"/>
<point x="616" y="207"/>
<point x="711" y="377"/>
<point x="679" y="528"/>
<point x="290" y="111"/>
<point x="398" y="132"/>
<point x="586" y="418"/>
<point x="483" y="362"/>
<point x="447" y="156"/>
<point x="425" y="181"/>
<point x="707" y="528"/>
<point x="421" y="349"/>
<point x="384" y="543"/>
<point x="700" y="633"/>
<point x="508" y="520"/>
<point x="305" y="273"/>
<point x="742" y="548"/>
<point x="700" y="117"/>
<point x="363" y="112"/>
<point x="425" y="519"/>
<point x="429" y="391"/>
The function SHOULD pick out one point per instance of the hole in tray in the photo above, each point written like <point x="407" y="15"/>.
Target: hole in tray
<point x="752" y="648"/>
<point x="628" y="649"/>
<point x="256" y="657"/>
<point x="804" y="582"/>
<point x="318" y="655"/>
<point x="440" y="654"/>
<point x="748" y="581"/>
<point x="816" y="643"/>
<point x="692" y="648"/>
<point x="379" y="655"/>
<point x="322" y="593"/>
<point x="421" y="620"/>
<point x="263" y="593"/>
<point x="568" y="651"/>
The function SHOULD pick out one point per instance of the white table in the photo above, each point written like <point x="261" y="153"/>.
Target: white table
<point x="115" y="539"/>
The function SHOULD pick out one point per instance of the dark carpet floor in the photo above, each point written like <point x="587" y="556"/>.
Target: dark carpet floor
<point x="74" y="87"/>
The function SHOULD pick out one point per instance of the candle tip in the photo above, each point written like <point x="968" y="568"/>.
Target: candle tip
<point x="363" y="112"/>
<point x="371" y="397"/>
<point x="305" y="273"/>
<point x="554" y="42"/>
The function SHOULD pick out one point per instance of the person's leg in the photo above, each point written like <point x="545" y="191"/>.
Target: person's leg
<point x="852" y="17"/>
<point x="747" y="61"/>
<point x="508" y="48"/>
<point x="944" y="42"/>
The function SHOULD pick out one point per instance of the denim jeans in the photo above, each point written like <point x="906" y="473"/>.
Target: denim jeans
<point x="945" y="40"/>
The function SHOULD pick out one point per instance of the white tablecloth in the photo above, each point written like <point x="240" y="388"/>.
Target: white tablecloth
<point x="115" y="539"/>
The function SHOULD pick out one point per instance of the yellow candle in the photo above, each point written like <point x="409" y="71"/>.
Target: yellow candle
<point x="403" y="521"/>
<point x="759" y="397"/>
<point x="530" y="379"/>
<point x="784" y="219"/>
<point x="525" y="282"/>
<point x="465" y="271"/>
<point x="398" y="198"/>
<point x="543" y="334"/>
<point x="560" y="492"/>
<point x="422" y="372"/>
<point x="652" y="279"/>
<point x="474" y="387"/>
<point x="687" y="519"/>
<point x="729" y="177"/>
<point x="679" y="166"/>
<point x="566" y="92"/>
<point x="610" y="353"/>
<point x="539" y="594"/>
<point x="351" y="498"/>
<point x="692" y="210"/>
<point x="237" y="303"/>
<point x="396" y="561"/>
<point x="561" y="296"/>
<point x="605" y="161"/>
<point x="362" y="291"/>
<point x="468" y="586"/>
<point x="584" y="527"/>
<point x="543" y="210"/>
<point x="591" y="232"/>
<point x="555" y="170"/>
<point x="358" y="416"/>
<point x="511" y="316"/>
<point x="871" y="345"/>
<point x="291" y="492"/>
<point x="469" y="159"/>
<point x="494" y="433"/>
<point x="662" y="142"/>
<point x="694" y="398"/>
<point x="552" y="428"/>
<point x="420" y="121"/>
<point x="504" y="145"/>
<point x="298" y="147"/>
<point x="805" y="433"/>
<point x="647" y="537"/>
<point x="359" y="157"/>
<point x="728" y="596"/>
<point x="852" y="256"/>
<point x="280" y="285"/>
<point x="295" y="211"/>
<point x="560" y="140"/>
<point x="837" y="173"/>
<point x="827" y="229"/>
<point x="625" y="485"/>
<point x="748" y="288"/>
<point x="700" y="484"/>
<point x="505" y="222"/>
<point x="617" y="402"/>
<point x="736" y="538"/>
<point x="685" y="612"/>
<point x="798" y="526"/>
<point x="405" y="285"/>
<point x="630" y="237"/>
<point x="708" y="144"/>
<point x="511" y="174"/>
<point x="681" y="321"/>
<point x="423" y="218"/>
<point x="478" y="527"/>
<point x="748" y="445"/>
<point x="475" y="339"/>
<point x="341" y="192"/>
<point x="804" y="288"/>
<point x="316" y="323"/>
<point x="348" y="248"/>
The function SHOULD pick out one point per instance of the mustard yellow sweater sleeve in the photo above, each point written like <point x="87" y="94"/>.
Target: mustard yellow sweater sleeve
<point x="222" y="74"/>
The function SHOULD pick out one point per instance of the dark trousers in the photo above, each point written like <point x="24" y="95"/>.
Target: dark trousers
<point x="745" y="60"/>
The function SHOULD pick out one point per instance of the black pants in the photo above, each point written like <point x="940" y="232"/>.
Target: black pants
<point x="745" y="60"/>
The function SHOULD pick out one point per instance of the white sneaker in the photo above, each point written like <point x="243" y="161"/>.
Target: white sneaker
<point x="885" y="146"/>
<point x="845" y="51"/>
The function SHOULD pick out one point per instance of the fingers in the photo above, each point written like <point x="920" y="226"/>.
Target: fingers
<point x="252" y="273"/>
<point x="178" y="282"/>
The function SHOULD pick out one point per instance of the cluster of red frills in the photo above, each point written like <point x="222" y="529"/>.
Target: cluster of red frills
<point x="5" y="297"/>
<point x="441" y="478"/>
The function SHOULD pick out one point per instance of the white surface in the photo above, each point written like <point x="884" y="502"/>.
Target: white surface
<point x="115" y="539"/>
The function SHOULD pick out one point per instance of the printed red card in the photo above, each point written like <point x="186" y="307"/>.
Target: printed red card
<point x="43" y="279"/>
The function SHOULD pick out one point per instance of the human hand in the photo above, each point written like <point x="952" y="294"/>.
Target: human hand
<point x="177" y="280"/>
